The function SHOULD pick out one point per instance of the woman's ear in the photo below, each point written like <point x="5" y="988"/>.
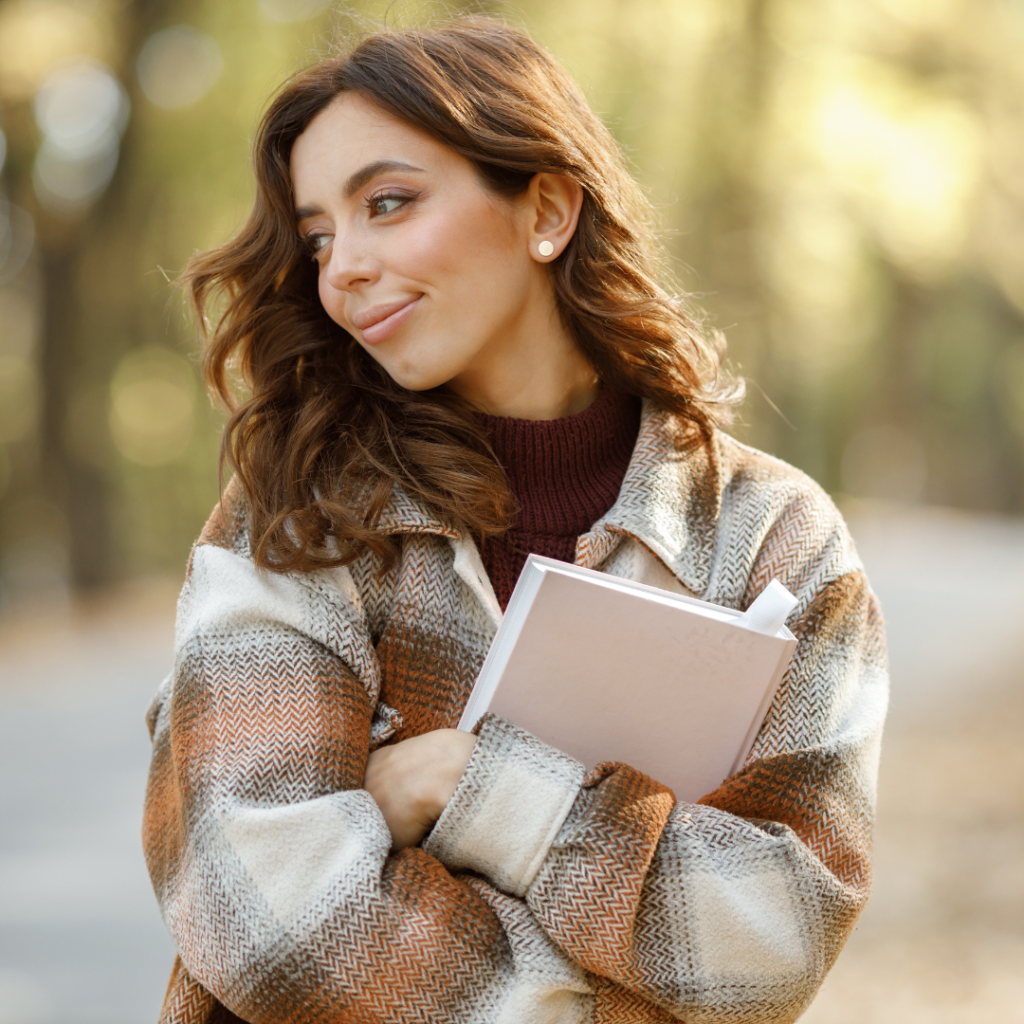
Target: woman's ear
<point x="555" y="203"/>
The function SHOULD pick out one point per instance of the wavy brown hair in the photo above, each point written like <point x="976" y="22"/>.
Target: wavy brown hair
<point x="326" y="434"/>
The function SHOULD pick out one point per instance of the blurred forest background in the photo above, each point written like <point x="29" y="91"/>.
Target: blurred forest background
<point x="841" y="183"/>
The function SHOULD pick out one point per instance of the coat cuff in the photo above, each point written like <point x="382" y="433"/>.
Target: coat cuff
<point x="513" y="798"/>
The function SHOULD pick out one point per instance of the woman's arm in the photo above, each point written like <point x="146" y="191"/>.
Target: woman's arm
<point x="732" y="909"/>
<point x="272" y="864"/>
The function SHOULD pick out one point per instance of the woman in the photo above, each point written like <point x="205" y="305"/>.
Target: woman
<point x="443" y="304"/>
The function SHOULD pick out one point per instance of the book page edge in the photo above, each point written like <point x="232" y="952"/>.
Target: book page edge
<point x="761" y="714"/>
<point x="503" y="644"/>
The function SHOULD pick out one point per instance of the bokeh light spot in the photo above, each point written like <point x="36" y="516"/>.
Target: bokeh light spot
<point x="17" y="236"/>
<point x="178" y="66"/>
<point x="292" y="10"/>
<point x="67" y="186"/>
<point x="36" y="37"/>
<point x="79" y="106"/>
<point x="912" y="159"/>
<point x="152" y="410"/>
<point x="81" y="110"/>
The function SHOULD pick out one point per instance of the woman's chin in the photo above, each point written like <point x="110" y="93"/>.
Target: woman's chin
<point x="408" y="370"/>
<point x="417" y="378"/>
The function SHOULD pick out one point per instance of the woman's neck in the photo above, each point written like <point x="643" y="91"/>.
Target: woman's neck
<point x="534" y="371"/>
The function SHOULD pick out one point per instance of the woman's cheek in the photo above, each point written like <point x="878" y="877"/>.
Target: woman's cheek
<point x="333" y="303"/>
<point x="421" y="255"/>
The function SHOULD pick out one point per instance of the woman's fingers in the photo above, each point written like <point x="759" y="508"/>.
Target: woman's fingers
<point x="412" y="781"/>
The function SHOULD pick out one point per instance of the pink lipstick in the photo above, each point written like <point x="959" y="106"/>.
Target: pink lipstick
<point x="379" y="322"/>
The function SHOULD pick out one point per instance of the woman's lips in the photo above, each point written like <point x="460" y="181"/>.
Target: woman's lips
<point x="385" y="320"/>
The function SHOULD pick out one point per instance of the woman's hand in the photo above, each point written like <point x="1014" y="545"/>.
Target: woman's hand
<point x="413" y="781"/>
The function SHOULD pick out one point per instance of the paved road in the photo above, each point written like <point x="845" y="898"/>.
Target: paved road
<point x="80" y="937"/>
<point x="942" y="941"/>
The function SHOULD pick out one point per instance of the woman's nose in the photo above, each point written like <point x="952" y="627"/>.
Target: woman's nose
<point x="350" y="266"/>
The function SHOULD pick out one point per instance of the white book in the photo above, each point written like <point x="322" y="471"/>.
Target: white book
<point x="606" y="669"/>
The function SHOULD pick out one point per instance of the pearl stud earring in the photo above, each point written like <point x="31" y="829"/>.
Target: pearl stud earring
<point x="546" y="248"/>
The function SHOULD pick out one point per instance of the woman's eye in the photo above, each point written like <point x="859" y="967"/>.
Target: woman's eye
<point x="385" y="204"/>
<point x="317" y="243"/>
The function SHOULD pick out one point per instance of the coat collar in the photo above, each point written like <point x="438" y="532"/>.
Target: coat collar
<point x="404" y="514"/>
<point x="669" y="502"/>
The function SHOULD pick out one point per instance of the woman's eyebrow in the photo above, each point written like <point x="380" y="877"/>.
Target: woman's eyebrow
<point x="370" y="171"/>
<point x="357" y="180"/>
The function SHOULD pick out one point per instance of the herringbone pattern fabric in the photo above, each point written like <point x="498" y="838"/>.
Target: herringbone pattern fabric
<point x="544" y="894"/>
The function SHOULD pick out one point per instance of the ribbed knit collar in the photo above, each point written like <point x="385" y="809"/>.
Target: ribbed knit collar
<point x="565" y="473"/>
<point x="670" y="501"/>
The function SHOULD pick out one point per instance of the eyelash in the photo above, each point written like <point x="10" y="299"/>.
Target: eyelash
<point x="310" y="241"/>
<point x="383" y="197"/>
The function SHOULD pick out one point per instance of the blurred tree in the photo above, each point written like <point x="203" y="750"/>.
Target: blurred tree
<point x="121" y="468"/>
<point x="843" y="185"/>
<point x="72" y="206"/>
<point x="67" y="234"/>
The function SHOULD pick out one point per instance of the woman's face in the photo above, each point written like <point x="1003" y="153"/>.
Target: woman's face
<point x="426" y="268"/>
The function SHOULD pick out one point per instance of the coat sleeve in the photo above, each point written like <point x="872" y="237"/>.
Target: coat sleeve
<point x="272" y="865"/>
<point x="732" y="909"/>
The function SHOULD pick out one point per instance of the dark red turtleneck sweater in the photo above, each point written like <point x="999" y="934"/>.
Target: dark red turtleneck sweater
<point x="565" y="474"/>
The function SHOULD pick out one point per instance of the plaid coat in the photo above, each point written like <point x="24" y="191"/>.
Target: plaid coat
<point x="546" y="892"/>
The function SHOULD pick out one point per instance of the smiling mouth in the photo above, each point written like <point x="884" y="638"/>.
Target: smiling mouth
<point x="385" y="320"/>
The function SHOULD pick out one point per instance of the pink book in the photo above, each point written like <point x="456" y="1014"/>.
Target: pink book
<point x="606" y="669"/>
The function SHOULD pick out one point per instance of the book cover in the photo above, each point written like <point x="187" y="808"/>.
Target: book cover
<point x="610" y="670"/>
